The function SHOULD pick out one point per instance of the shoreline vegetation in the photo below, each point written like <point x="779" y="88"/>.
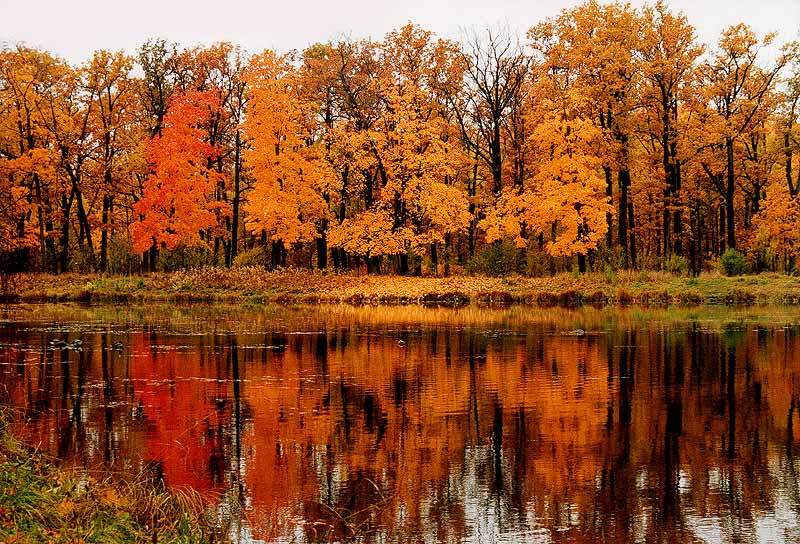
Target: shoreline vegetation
<point x="41" y="501"/>
<point x="253" y="285"/>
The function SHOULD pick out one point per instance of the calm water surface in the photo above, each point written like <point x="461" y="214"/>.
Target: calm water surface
<point x="429" y="425"/>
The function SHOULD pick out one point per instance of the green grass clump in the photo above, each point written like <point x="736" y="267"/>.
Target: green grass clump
<point x="739" y="297"/>
<point x="690" y="297"/>
<point x="41" y="502"/>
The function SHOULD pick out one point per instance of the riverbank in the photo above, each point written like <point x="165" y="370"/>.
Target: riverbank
<point x="42" y="502"/>
<point x="256" y="285"/>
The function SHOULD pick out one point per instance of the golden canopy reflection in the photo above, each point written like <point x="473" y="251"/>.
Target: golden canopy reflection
<point x="430" y="424"/>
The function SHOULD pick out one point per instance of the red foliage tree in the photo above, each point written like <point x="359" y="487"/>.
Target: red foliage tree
<point x="177" y="204"/>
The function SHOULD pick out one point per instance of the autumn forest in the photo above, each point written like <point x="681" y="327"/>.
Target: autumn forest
<point x="606" y="137"/>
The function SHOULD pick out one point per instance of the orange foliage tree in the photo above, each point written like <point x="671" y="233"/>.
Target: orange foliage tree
<point x="108" y="80"/>
<point x="736" y="94"/>
<point x="564" y="201"/>
<point x="669" y="52"/>
<point x="415" y="155"/>
<point x="284" y="159"/>
<point x="589" y="52"/>
<point x="26" y="163"/>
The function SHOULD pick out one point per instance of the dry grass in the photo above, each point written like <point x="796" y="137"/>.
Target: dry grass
<point x="300" y="286"/>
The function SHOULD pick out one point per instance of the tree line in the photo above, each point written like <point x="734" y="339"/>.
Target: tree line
<point x="606" y="137"/>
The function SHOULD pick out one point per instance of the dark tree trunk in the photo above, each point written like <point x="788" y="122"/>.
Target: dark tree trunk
<point x="624" y="179"/>
<point x="581" y="263"/>
<point x="668" y="174"/>
<point x="609" y="215"/>
<point x="665" y="229"/>
<point x="66" y="205"/>
<point x="373" y="265"/>
<point x="788" y="150"/>
<point x="50" y="249"/>
<point x="85" y="228"/>
<point x="402" y="263"/>
<point x="322" y="246"/>
<point x="278" y="254"/>
<point x="104" y="234"/>
<point x="632" y="234"/>
<point x="496" y="160"/>
<point x="237" y="197"/>
<point x="729" y="195"/>
<point x="153" y="256"/>
<point x="447" y="245"/>
<point x="696" y="242"/>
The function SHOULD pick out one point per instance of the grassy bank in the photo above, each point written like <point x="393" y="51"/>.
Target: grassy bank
<point x="41" y="502"/>
<point x="255" y="285"/>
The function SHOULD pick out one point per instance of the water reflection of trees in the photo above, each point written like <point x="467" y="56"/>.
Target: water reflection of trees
<point x="433" y="425"/>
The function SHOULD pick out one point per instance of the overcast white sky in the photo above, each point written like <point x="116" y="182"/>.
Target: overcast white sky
<point x="73" y="29"/>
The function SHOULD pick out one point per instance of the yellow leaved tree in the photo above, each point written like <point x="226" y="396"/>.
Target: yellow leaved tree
<point x="564" y="202"/>
<point x="284" y="159"/>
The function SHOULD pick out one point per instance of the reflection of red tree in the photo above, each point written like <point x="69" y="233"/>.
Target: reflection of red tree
<point x="179" y="395"/>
